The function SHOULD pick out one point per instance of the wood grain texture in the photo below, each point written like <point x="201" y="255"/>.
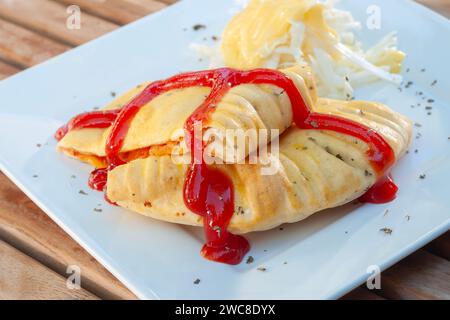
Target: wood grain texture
<point x="441" y="246"/>
<point x="51" y="20"/>
<point x="163" y="1"/>
<point x="6" y="70"/>
<point x="26" y="227"/>
<point x="421" y="276"/>
<point x="362" y="293"/>
<point x="22" y="278"/>
<point x="440" y="6"/>
<point x="24" y="48"/>
<point x="117" y="11"/>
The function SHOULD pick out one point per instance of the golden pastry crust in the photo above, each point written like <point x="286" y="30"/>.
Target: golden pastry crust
<point x="161" y="121"/>
<point x="317" y="170"/>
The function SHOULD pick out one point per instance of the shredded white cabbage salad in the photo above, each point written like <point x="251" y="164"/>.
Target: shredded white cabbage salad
<point x="335" y="78"/>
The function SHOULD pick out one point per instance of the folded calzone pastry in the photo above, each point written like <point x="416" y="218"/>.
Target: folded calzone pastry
<point x="318" y="169"/>
<point x="160" y="122"/>
<point x="320" y="153"/>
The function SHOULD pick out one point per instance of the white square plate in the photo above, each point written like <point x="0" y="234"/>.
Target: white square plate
<point x="327" y="255"/>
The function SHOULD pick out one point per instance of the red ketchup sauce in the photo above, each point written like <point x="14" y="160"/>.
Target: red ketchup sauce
<point x="209" y="192"/>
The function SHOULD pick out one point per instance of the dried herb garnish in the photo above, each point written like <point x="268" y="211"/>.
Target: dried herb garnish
<point x="386" y="230"/>
<point x="422" y="176"/>
<point x="82" y="192"/>
<point x="147" y="204"/>
<point x="98" y="210"/>
<point x="263" y="269"/>
<point x="434" y="83"/>
<point x="38" y="145"/>
<point x="240" y="210"/>
<point x="198" y="27"/>
<point x="113" y="94"/>
<point x="73" y="176"/>
<point x="430" y="100"/>
<point x="250" y="259"/>
<point x="197" y="281"/>
<point x="35" y="176"/>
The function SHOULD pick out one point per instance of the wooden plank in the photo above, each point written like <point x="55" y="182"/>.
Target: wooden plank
<point x="420" y="276"/>
<point x="164" y="1"/>
<point x="23" y="278"/>
<point x="440" y="6"/>
<point x="7" y="70"/>
<point x="26" y="227"/>
<point x="25" y="48"/>
<point x="51" y="20"/>
<point x="362" y="293"/>
<point x="148" y="5"/>
<point x="117" y="11"/>
<point x="441" y="246"/>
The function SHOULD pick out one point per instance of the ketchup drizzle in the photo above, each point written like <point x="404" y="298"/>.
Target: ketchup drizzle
<point x="383" y="191"/>
<point x="208" y="191"/>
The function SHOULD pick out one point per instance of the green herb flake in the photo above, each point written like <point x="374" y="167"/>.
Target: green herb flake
<point x="387" y="231"/>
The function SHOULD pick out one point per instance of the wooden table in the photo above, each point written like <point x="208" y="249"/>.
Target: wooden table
<point x="35" y="252"/>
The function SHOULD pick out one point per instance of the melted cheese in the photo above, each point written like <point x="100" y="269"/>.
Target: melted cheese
<point x="281" y="33"/>
<point x="251" y="36"/>
<point x="161" y="121"/>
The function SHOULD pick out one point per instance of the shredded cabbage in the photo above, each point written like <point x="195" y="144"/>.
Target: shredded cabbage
<point x="336" y="77"/>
